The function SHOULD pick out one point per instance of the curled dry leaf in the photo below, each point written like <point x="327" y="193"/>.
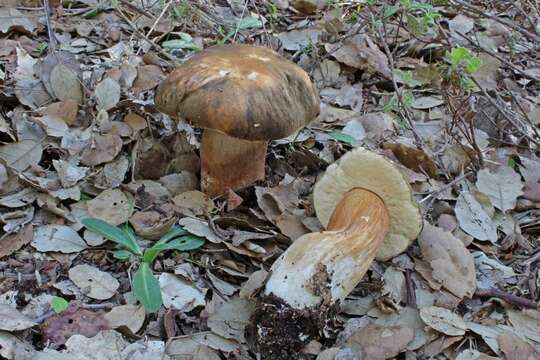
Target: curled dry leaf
<point x="13" y="320"/>
<point x="57" y="238"/>
<point x="93" y="282"/>
<point x="380" y="342"/>
<point x="104" y="148"/>
<point x="443" y="320"/>
<point x="502" y="186"/>
<point x="362" y="53"/>
<point x="13" y="242"/>
<point x="148" y="77"/>
<point x="231" y="318"/>
<point x="200" y="228"/>
<point x="111" y="206"/>
<point x="151" y="224"/>
<point x="69" y="173"/>
<point x="254" y="283"/>
<point x="452" y="264"/>
<point x="129" y="316"/>
<point x="414" y="159"/>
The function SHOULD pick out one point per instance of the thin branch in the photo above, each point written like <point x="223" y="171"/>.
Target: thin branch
<point x="509" y="298"/>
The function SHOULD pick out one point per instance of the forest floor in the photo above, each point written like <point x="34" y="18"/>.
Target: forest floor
<point x="447" y="89"/>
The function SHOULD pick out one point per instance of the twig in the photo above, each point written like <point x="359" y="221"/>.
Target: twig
<point x="447" y="186"/>
<point x="504" y="114"/>
<point x="153" y="44"/>
<point x="396" y="87"/>
<point x="481" y="12"/>
<point x="165" y="8"/>
<point x="509" y="298"/>
<point x="50" y="32"/>
<point x="137" y="9"/>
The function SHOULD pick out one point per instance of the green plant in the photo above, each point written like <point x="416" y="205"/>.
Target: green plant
<point x="59" y="304"/>
<point x="420" y="17"/>
<point x="396" y="105"/>
<point x="182" y="10"/>
<point x="41" y="48"/>
<point x="461" y="64"/>
<point x="145" y="285"/>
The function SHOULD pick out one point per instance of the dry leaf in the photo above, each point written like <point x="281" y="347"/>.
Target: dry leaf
<point x="93" y="282"/>
<point x="130" y="316"/>
<point x="104" y="148"/>
<point x="443" y="320"/>
<point x="199" y="228"/>
<point x="194" y="203"/>
<point x="452" y="264"/>
<point x="360" y="52"/>
<point x="13" y="242"/>
<point x="179" y="293"/>
<point x="69" y="173"/>
<point x="148" y="77"/>
<point x="107" y="94"/>
<point x="414" y="159"/>
<point x="13" y="320"/>
<point x="515" y="348"/>
<point x="135" y="121"/>
<point x="65" y="84"/>
<point x="57" y="238"/>
<point x="13" y="19"/>
<point x="377" y="342"/>
<point x="231" y="318"/>
<point x="524" y="324"/>
<point x="151" y="224"/>
<point x="502" y="187"/>
<point x="254" y="283"/>
<point x="75" y="320"/>
<point x="21" y="155"/>
<point x="111" y="206"/>
<point x="473" y="219"/>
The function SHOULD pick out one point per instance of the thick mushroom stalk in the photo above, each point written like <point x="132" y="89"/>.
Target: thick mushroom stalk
<point x="230" y="163"/>
<point x="369" y="212"/>
<point x="325" y="267"/>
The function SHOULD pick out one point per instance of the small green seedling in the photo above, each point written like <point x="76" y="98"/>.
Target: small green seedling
<point x="461" y="64"/>
<point x="145" y="285"/>
<point x="59" y="304"/>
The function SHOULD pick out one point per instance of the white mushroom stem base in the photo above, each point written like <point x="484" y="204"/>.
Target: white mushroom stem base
<point x="230" y="163"/>
<point x="319" y="270"/>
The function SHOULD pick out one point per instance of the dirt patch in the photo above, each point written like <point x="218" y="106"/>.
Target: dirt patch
<point x="277" y="331"/>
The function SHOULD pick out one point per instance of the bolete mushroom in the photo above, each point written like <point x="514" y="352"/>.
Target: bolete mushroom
<point x="368" y="210"/>
<point x="243" y="96"/>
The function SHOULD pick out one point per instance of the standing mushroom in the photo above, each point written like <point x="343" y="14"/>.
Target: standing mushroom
<point x="368" y="210"/>
<point x="243" y="96"/>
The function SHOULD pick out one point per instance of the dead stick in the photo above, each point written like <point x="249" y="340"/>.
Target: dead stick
<point x="509" y="298"/>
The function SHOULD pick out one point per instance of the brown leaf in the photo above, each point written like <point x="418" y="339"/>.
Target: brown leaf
<point x="194" y="202"/>
<point x="377" y="342"/>
<point x="148" y="77"/>
<point x="233" y="200"/>
<point x="514" y="348"/>
<point x="360" y="52"/>
<point x="452" y="264"/>
<point x="103" y="149"/>
<point x="414" y="159"/>
<point x="129" y="316"/>
<point x="75" y="320"/>
<point x="151" y="224"/>
<point x="13" y="242"/>
<point x="135" y="121"/>
<point x="111" y="206"/>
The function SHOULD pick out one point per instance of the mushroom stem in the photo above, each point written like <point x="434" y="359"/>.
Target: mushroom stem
<point x="323" y="268"/>
<point x="230" y="163"/>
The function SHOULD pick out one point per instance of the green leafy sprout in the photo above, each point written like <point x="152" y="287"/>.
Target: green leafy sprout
<point x="145" y="285"/>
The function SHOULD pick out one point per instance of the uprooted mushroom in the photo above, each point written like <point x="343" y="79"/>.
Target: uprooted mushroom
<point x="243" y="96"/>
<point x="369" y="212"/>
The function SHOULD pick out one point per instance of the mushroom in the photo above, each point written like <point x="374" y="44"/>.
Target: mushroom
<point x="242" y="96"/>
<point x="368" y="210"/>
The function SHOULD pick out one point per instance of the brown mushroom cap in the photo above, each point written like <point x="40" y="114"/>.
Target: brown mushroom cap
<point x="244" y="91"/>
